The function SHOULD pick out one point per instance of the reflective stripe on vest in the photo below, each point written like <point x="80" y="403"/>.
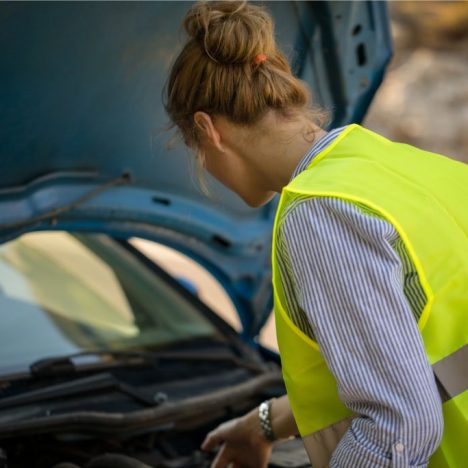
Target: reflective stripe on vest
<point x="451" y="374"/>
<point x="452" y="371"/>
<point x="423" y="195"/>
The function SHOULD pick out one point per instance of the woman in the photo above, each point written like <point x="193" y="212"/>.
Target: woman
<point x="369" y="256"/>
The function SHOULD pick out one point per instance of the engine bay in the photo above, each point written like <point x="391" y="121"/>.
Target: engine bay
<point x="134" y="417"/>
<point x="154" y="449"/>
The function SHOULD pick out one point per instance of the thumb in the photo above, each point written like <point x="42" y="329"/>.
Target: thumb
<point x="212" y="440"/>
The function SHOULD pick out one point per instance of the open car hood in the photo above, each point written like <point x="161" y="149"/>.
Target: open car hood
<point x="81" y="119"/>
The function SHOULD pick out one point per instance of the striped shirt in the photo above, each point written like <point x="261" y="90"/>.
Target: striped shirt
<point x="351" y="286"/>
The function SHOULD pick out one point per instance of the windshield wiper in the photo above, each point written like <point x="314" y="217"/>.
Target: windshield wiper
<point x="96" y="383"/>
<point x="64" y="365"/>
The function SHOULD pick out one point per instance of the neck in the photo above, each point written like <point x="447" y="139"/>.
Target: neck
<point x="275" y="155"/>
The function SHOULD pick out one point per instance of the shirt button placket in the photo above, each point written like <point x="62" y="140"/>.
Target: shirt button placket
<point x="399" y="456"/>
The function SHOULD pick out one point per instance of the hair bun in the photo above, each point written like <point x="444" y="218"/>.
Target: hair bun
<point x="230" y="31"/>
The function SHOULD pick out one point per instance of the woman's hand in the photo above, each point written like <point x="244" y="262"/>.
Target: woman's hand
<point x="243" y="444"/>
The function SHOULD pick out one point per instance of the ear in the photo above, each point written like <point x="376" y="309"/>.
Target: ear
<point x="208" y="129"/>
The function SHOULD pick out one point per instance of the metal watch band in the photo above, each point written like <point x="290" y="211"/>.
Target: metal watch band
<point x="265" y="420"/>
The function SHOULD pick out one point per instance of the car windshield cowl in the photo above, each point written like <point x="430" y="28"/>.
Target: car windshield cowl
<point x="77" y="387"/>
<point x="35" y="412"/>
<point x="108" y="359"/>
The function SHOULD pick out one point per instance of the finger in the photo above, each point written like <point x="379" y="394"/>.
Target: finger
<point x="212" y="440"/>
<point x="216" y="436"/>
<point x="221" y="460"/>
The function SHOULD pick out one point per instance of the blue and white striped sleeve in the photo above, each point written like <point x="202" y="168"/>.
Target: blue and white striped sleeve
<point x="348" y="280"/>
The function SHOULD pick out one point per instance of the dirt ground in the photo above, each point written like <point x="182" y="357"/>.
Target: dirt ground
<point x="423" y="101"/>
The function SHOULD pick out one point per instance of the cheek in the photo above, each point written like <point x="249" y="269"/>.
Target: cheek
<point x="237" y="177"/>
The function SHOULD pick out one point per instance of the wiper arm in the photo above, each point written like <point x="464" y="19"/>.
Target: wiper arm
<point x="95" y="383"/>
<point x="65" y="365"/>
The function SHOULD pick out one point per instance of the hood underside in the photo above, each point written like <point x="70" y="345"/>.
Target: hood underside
<point x="82" y="139"/>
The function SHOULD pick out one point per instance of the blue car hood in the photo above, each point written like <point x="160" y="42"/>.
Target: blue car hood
<point x="82" y="145"/>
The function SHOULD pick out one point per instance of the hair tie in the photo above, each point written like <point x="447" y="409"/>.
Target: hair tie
<point x="259" y="58"/>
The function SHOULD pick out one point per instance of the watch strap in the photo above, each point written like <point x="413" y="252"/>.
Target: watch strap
<point x="264" y="416"/>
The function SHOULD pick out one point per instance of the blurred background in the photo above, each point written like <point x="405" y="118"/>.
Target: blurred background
<point x="423" y="101"/>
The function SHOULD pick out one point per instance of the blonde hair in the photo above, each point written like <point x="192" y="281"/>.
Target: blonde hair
<point x="217" y="72"/>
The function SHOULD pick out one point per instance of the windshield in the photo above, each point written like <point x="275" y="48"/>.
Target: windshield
<point x="62" y="293"/>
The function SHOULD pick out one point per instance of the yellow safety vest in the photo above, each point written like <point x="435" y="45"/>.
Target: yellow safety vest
<point x="425" y="197"/>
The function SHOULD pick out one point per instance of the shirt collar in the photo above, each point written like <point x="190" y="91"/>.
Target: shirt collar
<point x="317" y="147"/>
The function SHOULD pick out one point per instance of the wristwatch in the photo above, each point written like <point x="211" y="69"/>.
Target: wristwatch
<point x="265" y="420"/>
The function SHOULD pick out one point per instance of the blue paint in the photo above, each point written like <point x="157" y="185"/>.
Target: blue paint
<point x="80" y="104"/>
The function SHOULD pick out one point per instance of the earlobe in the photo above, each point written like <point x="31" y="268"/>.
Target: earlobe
<point x="208" y="129"/>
